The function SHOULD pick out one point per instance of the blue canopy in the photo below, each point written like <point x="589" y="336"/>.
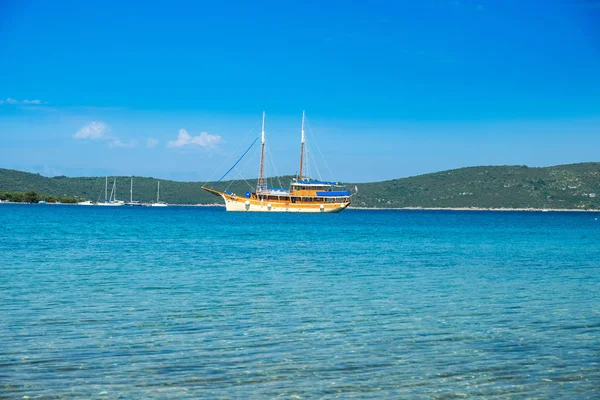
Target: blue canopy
<point x="332" y="194"/>
<point x="304" y="181"/>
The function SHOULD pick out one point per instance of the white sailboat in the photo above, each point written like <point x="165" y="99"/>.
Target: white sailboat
<point x="158" y="202"/>
<point x="132" y="203"/>
<point x="112" y="200"/>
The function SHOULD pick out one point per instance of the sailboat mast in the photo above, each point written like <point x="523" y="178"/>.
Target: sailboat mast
<point x="262" y="155"/>
<point x="131" y="191"/>
<point x="302" y="149"/>
<point x="106" y="190"/>
<point x="158" y="192"/>
<point x="112" y="190"/>
<point x="115" y="189"/>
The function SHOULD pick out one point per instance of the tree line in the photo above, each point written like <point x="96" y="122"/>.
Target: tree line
<point x="31" y="196"/>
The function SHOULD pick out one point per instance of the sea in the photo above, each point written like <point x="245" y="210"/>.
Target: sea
<point x="195" y="302"/>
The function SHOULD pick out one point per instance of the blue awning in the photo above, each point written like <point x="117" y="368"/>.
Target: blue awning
<point x="306" y="182"/>
<point x="333" y="194"/>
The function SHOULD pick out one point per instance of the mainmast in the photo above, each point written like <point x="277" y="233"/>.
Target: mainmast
<point x="131" y="191"/>
<point x="262" y="156"/>
<point x="302" y="149"/>
<point x="112" y="190"/>
<point x="158" y="193"/>
<point x="106" y="190"/>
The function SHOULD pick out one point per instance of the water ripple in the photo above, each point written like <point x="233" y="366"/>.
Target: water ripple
<point x="196" y="302"/>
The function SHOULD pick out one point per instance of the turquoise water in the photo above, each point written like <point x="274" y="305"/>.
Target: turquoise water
<point x="197" y="302"/>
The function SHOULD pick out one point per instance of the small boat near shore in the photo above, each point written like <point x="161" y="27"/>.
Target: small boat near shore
<point x="131" y="202"/>
<point x="158" y="202"/>
<point x="111" y="201"/>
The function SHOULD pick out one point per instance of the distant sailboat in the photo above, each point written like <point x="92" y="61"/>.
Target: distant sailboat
<point x="131" y="202"/>
<point x="112" y="200"/>
<point x="158" y="202"/>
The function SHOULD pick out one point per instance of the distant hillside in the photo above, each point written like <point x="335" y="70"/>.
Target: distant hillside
<point x="92" y="188"/>
<point x="564" y="187"/>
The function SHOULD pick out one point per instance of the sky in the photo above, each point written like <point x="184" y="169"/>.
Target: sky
<point x="176" y="90"/>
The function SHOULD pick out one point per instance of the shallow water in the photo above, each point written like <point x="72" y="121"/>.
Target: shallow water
<point x="197" y="302"/>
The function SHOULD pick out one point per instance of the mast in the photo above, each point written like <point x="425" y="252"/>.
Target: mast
<point x="115" y="189"/>
<point x="262" y="155"/>
<point x="112" y="190"/>
<point x="131" y="191"/>
<point x="106" y="190"/>
<point x="158" y="192"/>
<point x="302" y="149"/>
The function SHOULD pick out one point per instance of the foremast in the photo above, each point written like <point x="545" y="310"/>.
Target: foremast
<point x="302" y="149"/>
<point x="262" y="157"/>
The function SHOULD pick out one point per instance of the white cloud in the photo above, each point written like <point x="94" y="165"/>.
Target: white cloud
<point x="150" y="143"/>
<point x="203" y="140"/>
<point x="120" y="144"/>
<point x="94" y="130"/>
<point x="10" y="100"/>
<point x="98" y="130"/>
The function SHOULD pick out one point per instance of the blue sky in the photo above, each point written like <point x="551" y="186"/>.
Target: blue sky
<point x="391" y="88"/>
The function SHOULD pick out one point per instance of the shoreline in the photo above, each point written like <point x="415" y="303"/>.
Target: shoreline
<point x="529" y="209"/>
<point x="76" y="204"/>
<point x="472" y="209"/>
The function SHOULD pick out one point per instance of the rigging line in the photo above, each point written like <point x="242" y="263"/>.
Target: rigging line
<point x="314" y="162"/>
<point x="270" y="158"/>
<point x="250" y="159"/>
<point x="239" y="171"/>
<point x="266" y="167"/>
<point x="316" y="166"/>
<point x="231" y="182"/>
<point x="236" y="163"/>
<point x="236" y="151"/>
<point x="309" y="165"/>
<point x="228" y="186"/>
<point x="231" y="154"/>
<point x="244" y="179"/>
<point x="318" y="148"/>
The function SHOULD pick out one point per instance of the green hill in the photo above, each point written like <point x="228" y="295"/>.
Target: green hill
<point x="573" y="186"/>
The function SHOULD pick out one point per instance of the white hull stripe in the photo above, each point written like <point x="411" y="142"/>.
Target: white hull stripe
<point x="247" y="206"/>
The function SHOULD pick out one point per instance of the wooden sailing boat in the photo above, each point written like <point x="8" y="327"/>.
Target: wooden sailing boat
<point x="304" y="194"/>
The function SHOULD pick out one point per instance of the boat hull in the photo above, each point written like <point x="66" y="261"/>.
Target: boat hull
<point x="118" y="204"/>
<point x="237" y="204"/>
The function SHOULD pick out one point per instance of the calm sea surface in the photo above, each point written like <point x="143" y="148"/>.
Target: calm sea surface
<point x="196" y="302"/>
